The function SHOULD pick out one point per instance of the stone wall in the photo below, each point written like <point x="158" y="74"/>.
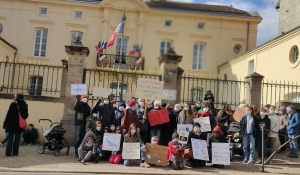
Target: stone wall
<point x="288" y="15"/>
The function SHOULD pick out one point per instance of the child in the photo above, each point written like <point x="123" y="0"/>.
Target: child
<point x="154" y="140"/>
<point x="5" y="140"/>
<point x="88" y="149"/>
<point x="106" y="129"/>
<point x="112" y="128"/>
<point x="175" y="153"/>
<point x="91" y="120"/>
<point x="116" y="156"/>
<point x="30" y="135"/>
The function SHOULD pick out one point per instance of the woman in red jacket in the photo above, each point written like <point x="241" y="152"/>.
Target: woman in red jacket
<point x="175" y="153"/>
<point x="130" y="117"/>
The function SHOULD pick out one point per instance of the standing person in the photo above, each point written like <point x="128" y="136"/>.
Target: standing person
<point x="256" y="111"/>
<point x="209" y="96"/>
<point x="282" y="127"/>
<point x="275" y="125"/>
<point x="119" y="113"/>
<point x="262" y="122"/>
<point x="198" y="105"/>
<point x="106" y="111"/>
<point x="30" y="135"/>
<point x="293" y="130"/>
<point x="172" y="125"/>
<point x="248" y="131"/>
<point x="177" y="109"/>
<point x="12" y="126"/>
<point x="226" y="116"/>
<point x="82" y="111"/>
<point x="156" y="130"/>
<point x="186" y="115"/>
<point x="144" y="123"/>
<point x="207" y="113"/>
<point x="130" y="117"/>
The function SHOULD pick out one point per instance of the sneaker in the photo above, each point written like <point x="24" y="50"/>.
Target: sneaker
<point x="245" y="160"/>
<point x="144" y="165"/>
<point x="83" y="162"/>
<point x="258" y="161"/>
<point x="250" y="161"/>
<point x="100" y="154"/>
<point x="294" y="156"/>
<point x="29" y="143"/>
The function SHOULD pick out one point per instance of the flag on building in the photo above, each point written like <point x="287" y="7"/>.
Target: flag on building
<point x="132" y="51"/>
<point x="119" y="29"/>
<point x="101" y="47"/>
<point x="102" y="57"/>
<point x="139" y="59"/>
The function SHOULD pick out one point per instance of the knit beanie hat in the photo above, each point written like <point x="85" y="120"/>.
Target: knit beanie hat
<point x="197" y="124"/>
<point x="175" y="135"/>
<point x="122" y="104"/>
<point x="131" y="103"/>
<point x="217" y="129"/>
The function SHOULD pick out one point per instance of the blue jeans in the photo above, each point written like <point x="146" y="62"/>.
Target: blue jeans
<point x="13" y="143"/>
<point x="79" y="135"/>
<point x="155" y="132"/>
<point x="248" y="139"/>
<point x="293" y="144"/>
<point x="127" y="161"/>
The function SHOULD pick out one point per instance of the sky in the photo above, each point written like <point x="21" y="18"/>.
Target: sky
<point x="267" y="29"/>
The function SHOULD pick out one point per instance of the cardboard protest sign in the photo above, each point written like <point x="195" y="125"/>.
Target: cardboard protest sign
<point x="199" y="148"/>
<point x="184" y="127"/>
<point x="169" y="94"/>
<point x="183" y="137"/>
<point x="220" y="154"/>
<point x="127" y="96"/>
<point x="149" y="89"/>
<point x="239" y="114"/>
<point x="101" y="92"/>
<point x="204" y="122"/>
<point x="79" y="89"/>
<point x="156" y="154"/>
<point x="158" y="117"/>
<point x="111" y="142"/>
<point x="131" y="150"/>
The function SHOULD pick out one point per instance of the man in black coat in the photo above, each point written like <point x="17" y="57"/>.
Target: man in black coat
<point x="106" y="111"/>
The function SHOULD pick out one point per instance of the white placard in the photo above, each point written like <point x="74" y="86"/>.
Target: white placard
<point x="127" y="96"/>
<point x="204" y="122"/>
<point x="183" y="137"/>
<point x="101" y="92"/>
<point x="169" y="94"/>
<point x="149" y="89"/>
<point x="184" y="127"/>
<point x="79" y="89"/>
<point x="199" y="148"/>
<point x="220" y="154"/>
<point x="131" y="150"/>
<point x="111" y="142"/>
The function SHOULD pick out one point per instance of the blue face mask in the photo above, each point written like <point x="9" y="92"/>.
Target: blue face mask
<point x="98" y="128"/>
<point x="186" y="108"/>
<point x="128" y="107"/>
<point x="133" y="131"/>
<point x="112" y="128"/>
<point x="248" y="113"/>
<point x="175" y="142"/>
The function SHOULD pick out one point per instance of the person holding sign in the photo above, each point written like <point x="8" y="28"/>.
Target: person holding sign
<point x="130" y="117"/>
<point x="106" y="111"/>
<point x="186" y="115"/>
<point x="116" y="156"/>
<point x="131" y="137"/>
<point x="119" y="113"/>
<point x="156" y="130"/>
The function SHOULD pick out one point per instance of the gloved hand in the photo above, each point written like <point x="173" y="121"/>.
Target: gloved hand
<point x="78" y="97"/>
<point x="181" y="149"/>
<point x="101" y="146"/>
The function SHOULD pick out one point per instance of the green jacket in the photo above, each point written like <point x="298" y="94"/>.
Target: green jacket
<point x="90" y="122"/>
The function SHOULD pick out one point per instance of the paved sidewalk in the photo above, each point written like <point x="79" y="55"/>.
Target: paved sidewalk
<point x="30" y="160"/>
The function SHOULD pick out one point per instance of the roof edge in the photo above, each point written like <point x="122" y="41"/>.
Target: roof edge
<point x="7" y="43"/>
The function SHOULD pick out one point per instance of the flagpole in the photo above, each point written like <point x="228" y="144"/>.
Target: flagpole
<point x="122" y="56"/>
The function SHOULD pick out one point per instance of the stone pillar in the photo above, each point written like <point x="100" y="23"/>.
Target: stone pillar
<point x="74" y="73"/>
<point x="253" y="89"/>
<point x="169" y="67"/>
<point x="65" y="63"/>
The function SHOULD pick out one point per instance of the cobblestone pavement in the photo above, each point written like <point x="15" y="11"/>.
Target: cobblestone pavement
<point x="29" y="160"/>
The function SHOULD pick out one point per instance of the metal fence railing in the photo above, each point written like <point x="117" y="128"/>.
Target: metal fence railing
<point x="121" y="61"/>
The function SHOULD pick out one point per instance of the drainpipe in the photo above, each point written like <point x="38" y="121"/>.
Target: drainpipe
<point x="247" y="41"/>
<point x="13" y="71"/>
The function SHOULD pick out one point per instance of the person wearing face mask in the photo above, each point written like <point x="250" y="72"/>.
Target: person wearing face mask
<point x="119" y="113"/>
<point x="82" y="111"/>
<point x="248" y="131"/>
<point x="177" y="109"/>
<point x="293" y="130"/>
<point x="129" y="117"/>
<point x="282" y="128"/>
<point x="186" y="115"/>
<point x="106" y="111"/>
<point x="156" y="130"/>
<point x="209" y="96"/>
<point x="198" y="105"/>
<point x="90" y="121"/>
<point x="275" y="125"/>
<point x="172" y="125"/>
<point x="144" y="123"/>
<point x="175" y="153"/>
<point x="262" y="122"/>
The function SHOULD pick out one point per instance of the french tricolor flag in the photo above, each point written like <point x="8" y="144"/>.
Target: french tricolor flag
<point x="102" y="58"/>
<point x="119" y="29"/>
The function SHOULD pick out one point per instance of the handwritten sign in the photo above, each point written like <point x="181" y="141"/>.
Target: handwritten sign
<point x="131" y="150"/>
<point x="220" y="154"/>
<point x="204" y="122"/>
<point x="169" y="94"/>
<point x="127" y="96"/>
<point x="184" y="127"/>
<point x="79" y="89"/>
<point x="101" y="92"/>
<point x="183" y="137"/>
<point x="158" y="117"/>
<point x="149" y="89"/>
<point x="156" y="154"/>
<point x="199" y="148"/>
<point x="111" y="142"/>
<point x="239" y="113"/>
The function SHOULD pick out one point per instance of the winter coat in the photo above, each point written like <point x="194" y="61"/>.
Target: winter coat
<point x="129" y="118"/>
<point x="293" y="124"/>
<point x="11" y="122"/>
<point x="118" y="117"/>
<point x="182" y="118"/>
<point x="192" y="135"/>
<point x="83" y="108"/>
<point x="265" y="123"/>
<point x="96" y="138"/>
<point x="243" y="125"/>
<point x="275" y="124"/>
<point x="140" y="114"/>
<point x="132" y="139"/>
<point x="88" y="148"/>
<point x="220" y="139"/>
<point x="172" y="125"/>
<point x="173" y="153"/>
<point x="90" y="122"/>
<point x="106" y="113"/>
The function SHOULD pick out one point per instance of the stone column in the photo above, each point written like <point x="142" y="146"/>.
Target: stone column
<point x="74" y="73"/>
<point x="253" y="89"/>
<point x="65" y="63"/>
<point x="169" y="67"/>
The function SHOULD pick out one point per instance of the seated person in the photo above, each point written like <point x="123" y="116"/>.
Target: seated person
<point x="175" y="153"/>
<point x="86" y="152"/>
<point x="30" y="135"/>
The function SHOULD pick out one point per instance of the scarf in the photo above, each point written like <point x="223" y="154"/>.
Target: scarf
<point x="205" y="114"/>
<point x="231" y="119"/>
<point x="186" y="117"/>
<point x="249" y="124"/>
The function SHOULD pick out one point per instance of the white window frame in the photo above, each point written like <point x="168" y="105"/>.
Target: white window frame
<point x="198" y="93"/>
<point x="76" y="14"/>
<point x="165" y="48"/>
<point x="165" y="24"/>
<point x="38" y="83"/>
<point x="121" y="45"/>
<point x="40" y="42"/>
<point x="198" y="56"/>
<point x="77" y="33"/>
<point x="43" y="8"/>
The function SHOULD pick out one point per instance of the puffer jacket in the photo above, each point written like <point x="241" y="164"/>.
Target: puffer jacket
<point x="173" y="153"/>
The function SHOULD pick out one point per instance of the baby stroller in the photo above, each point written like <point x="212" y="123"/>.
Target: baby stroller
<point x="235" y="140"/>
<point x="55" y="140"/>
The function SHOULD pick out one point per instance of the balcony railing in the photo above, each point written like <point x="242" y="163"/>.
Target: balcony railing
<point x="120" y="61"/>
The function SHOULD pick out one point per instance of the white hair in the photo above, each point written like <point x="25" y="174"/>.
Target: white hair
<point x="178" y="105"/>
<point x="242" y="105"/>
<point x="157" y="103"/>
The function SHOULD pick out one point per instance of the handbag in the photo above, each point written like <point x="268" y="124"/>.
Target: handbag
<point x="22" y="121"/>
<point x="79" y="116"/>
<point x="188" y="153"/>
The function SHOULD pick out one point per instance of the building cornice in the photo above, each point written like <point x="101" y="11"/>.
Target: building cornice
<point x="41" y="21"/>
<point x="77" y="25"/>
<point x="200" y="36"/>
<point x="167" y="33"/>
<point x="238" y="39"/>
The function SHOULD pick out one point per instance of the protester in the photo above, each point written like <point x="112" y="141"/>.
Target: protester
<point x="156" y="130"/>
<point x="275" y="125"/>
<point x="209" y="96"/>
<point x="154" y="140"/>
<point x="144" y="123"/>
<point x="186" y="115"/>
<point x="194" y="112"/>
<point x="91" y="120"/>
<point x="106" y="111"/>
<point x="198" y="105"/>
<point x="116" y="156"/>
<point x="267" y="107"/>
<point x="177" y="109"/>
<point x="175" y="153"/>
<point x="82" y="111"/>
<point x="119" y="113"/>
<point x="256" y="111"/>
<point x="282" y="127"/>
<point x="30" y="135"/>
<point x="248" y="131"/>
<point x="226" y="116"/>
<point x="112" y="128"/>
<point x="216" y="137"/>
<point x="130" y="117"/>
<point x="207" y="113"/>
<point x="172" y="125"/>
<point x="164" y="105"/>
<point x="86" y="152"/>
<point x="293" y="130"/>
<point x="131" y="137"/>
<point x="12" y="126"/>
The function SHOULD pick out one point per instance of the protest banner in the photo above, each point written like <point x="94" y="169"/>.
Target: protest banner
<point x="101" y="92"/>
<point x="79" y="89"/>
<point x="183" y="137"/>
<point x="220" y="154"/>
<point x="158" y="117"/>
<point x="199" y="148"/>
<point x="127" y="96"/>
<point x="169" y="94"/>
<point x="156" y="154"/>
<point x="239" y="113"/>
<point x="131" y="150"/>
<point x="111" y="142"/>
<point x="204" y="122"/>
<point x="184" y="127"/>
<point x="149" y="89"/>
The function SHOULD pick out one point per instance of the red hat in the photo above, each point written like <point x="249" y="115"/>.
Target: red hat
<point x="113" y="102"/>
<point x="131" y="103"/>
<point x="217" y="129"/>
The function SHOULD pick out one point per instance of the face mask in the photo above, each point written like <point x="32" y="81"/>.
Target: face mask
<point x="205" y="109"/>
<point x="141" y="103"/>
<point x="121" y="108"/>
<point x="196" y="129"/>
<point x="106" y="102"/>
<point x="186" y="108"/>
<point x="248" y="113"/>
<point x="198" y="105"/>
<point x="112" y="128"/>
<point x="271" y="112"/>
<point x="176" y="109"/>
<point x="153" y="142"/>
<point x="156" y="107"/>
<point x="128" y="107"/>
<point x="142" y="110"/>
<point x="175" y="142"/>
<point x="133" y="131"/>
<point x="95" y="115"/>
<point x="98" y="128"/>
<point x="89" y="144"/>
<point x="101" y="104"/>
<point x="84" y="100"/>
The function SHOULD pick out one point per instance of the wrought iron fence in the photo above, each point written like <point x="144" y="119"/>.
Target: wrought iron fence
<point x="30" y="78"/>
<point x="121" y="61"/>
